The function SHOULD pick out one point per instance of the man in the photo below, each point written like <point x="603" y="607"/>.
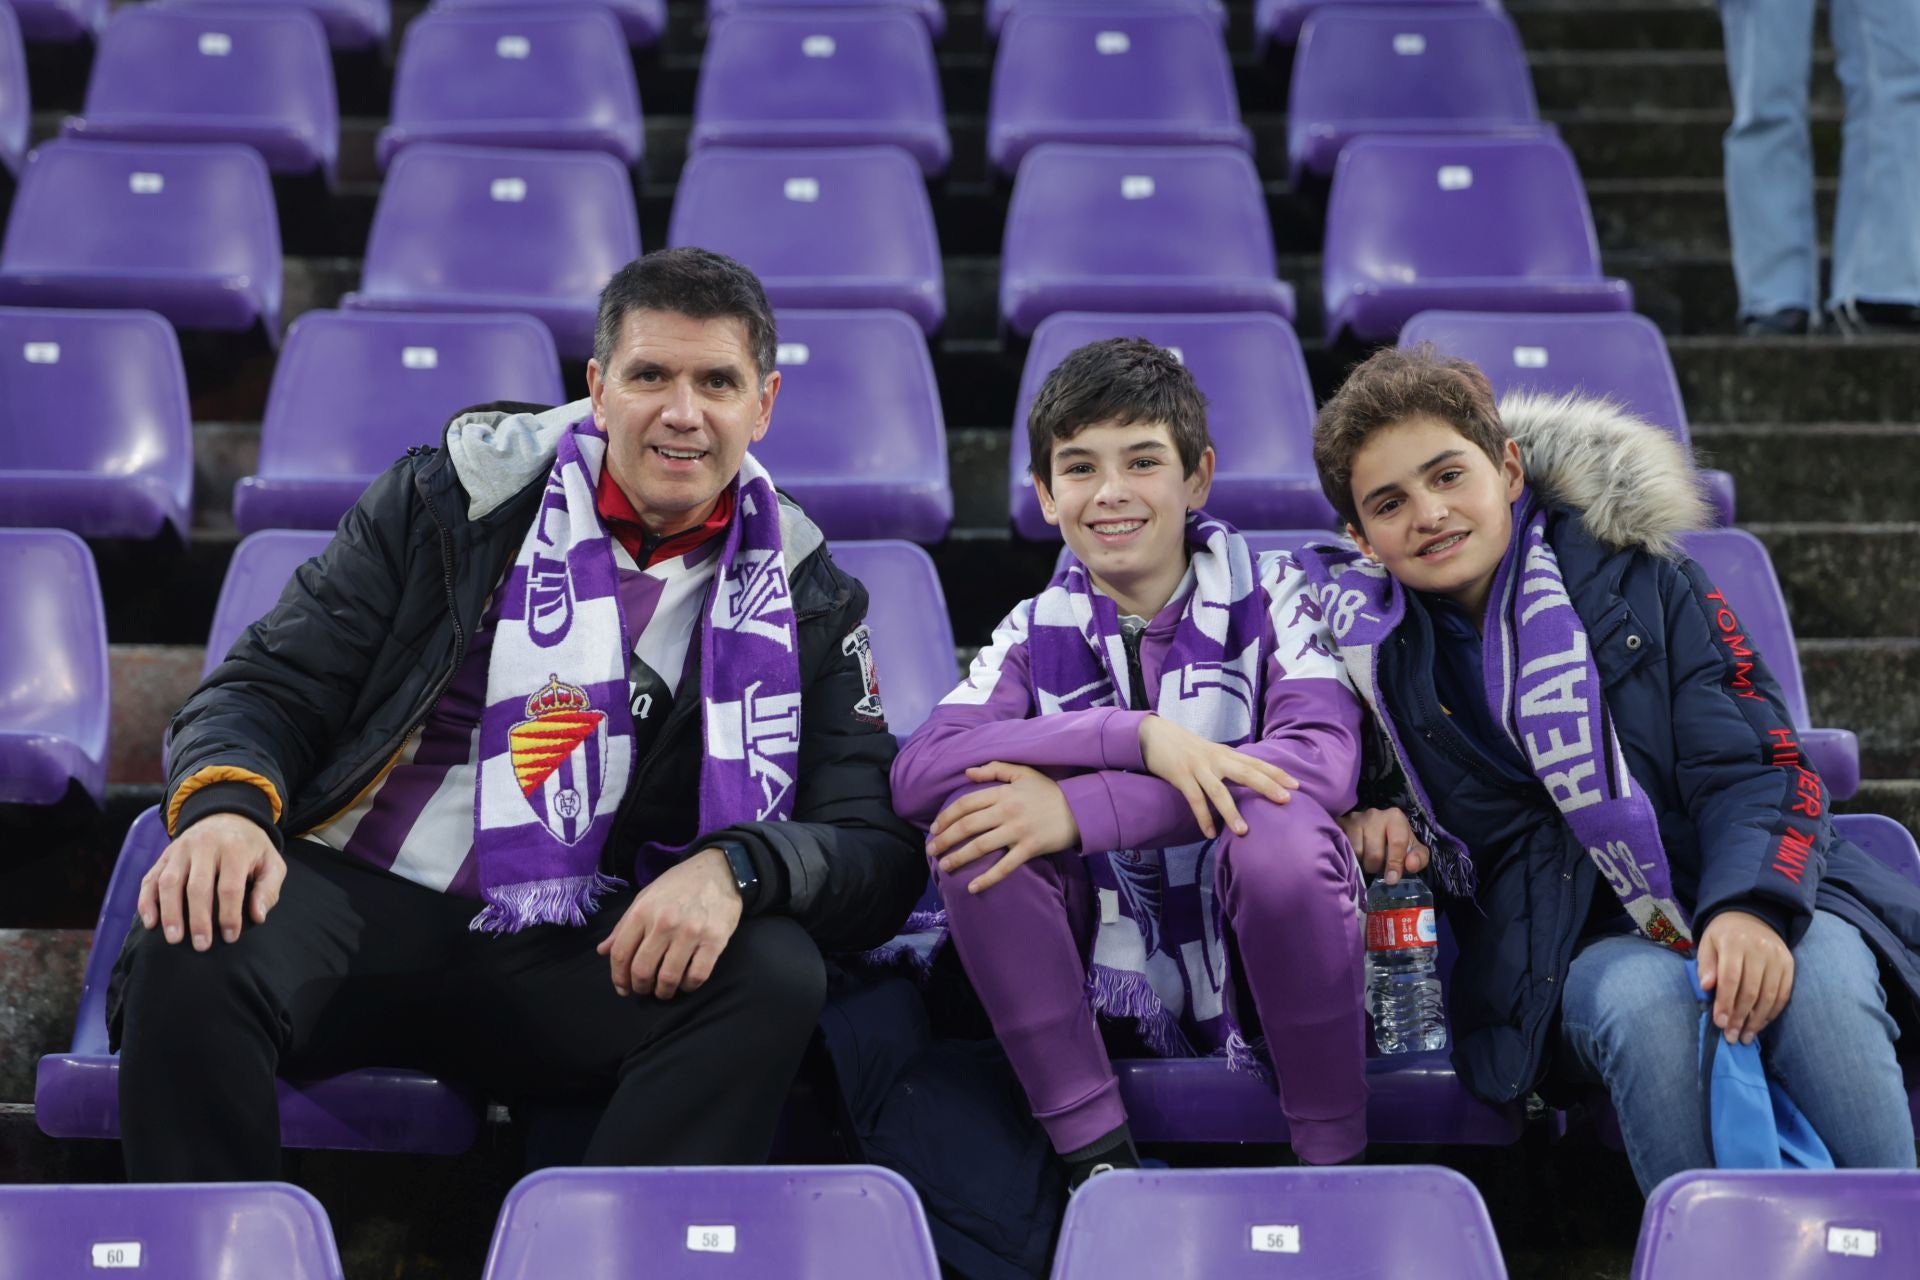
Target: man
<point x="551" y="774"/>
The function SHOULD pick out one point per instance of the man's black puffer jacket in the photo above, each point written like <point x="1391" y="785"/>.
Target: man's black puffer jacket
<point x="317" y="696"/>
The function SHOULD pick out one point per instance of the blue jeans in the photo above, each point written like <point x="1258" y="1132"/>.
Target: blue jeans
<point x="1629" y="1021"/>
<point x="1769" y="157"/>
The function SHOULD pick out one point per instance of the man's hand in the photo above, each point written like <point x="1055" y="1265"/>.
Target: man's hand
<point x="1749" y="969"/>
<point x="1383" y="841"/>
<point x="203" y="877"/>
<point x="1200" y="770"/>
<point x="674" y="931"/>
<point x="1027" y="815"/>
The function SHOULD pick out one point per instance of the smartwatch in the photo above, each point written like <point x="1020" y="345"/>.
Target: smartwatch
<point x="740" y="862"/>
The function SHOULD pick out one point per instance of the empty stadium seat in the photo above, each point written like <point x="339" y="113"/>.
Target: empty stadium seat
<point x="1886" y="840"/>
<point x="375" y="1109"/>
<point x="1143" y="77"/>
<point x="190" y="1229"/>
<point x="998" y="11"/>
<point x="1617" y="354"/>
<point x="1737" y="564"/>
<point x="1137" y="229"/>
<point x="261" y="567"/>
<point x="478" y="229"/>
<point x="1474" y="224"/>
<point x="187" y="230"/>
<point x="1848" y="1224"/>
<point x="643" y="21"/>
<point x="930" y="12"/>
<point x="1416" y="1220"/>
<point x="555" y="79"/>
<point x="858" y="438"/>
<point x="15" y="101"/>
<point x="353" y="391"/>
<point x="261" y="77"/>
<point x="53" y="669"/>
<point x="95" y="431"/>
<point x="797" y="1221"/>
<point x="59" y="21"/>
<point x="912" y="635"/>
<point x="831" y="228"/>
<point x="352" y="25"/>
<point x="1278" y="22"/>
<point x="1358" y="70"/>
<point x="1259" y="411"/>
<point x="822" y="79"/>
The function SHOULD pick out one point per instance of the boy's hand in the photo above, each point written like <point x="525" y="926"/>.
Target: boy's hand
<point x="1200" y="770"/>
<point x="1027" y="815"/>
<point x="1749" y="969"/>
<point x="1383" y="841"/>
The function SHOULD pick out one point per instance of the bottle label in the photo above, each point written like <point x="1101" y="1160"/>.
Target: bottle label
<point x="1401" y="929"/>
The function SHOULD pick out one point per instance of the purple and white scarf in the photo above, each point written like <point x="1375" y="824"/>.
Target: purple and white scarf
<point x="556" y="738"/>
<point x="1158" y="954"/>
<point x="1544" y="691"/>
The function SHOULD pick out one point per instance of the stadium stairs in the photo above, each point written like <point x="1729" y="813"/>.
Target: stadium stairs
<point x="1822" y="437"/>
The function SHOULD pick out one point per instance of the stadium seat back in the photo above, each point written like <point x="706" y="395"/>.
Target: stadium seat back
<point x="1884" y="838"/>
<point x="643" y="21"/>
<point x="1844" y="1224"/>
<point x="913" y="653"/>
<point x="53" y="668"/>
<point x="351" y="25"/>
<point x="930" y="12"/>
<point x="261" y="567"/>
<point x="1739" y="567"/>
<point x="172" y="1232"/>
<point x="60" y="21"/>
<point x="16" y="109"/>
<point x="998" y="11"/>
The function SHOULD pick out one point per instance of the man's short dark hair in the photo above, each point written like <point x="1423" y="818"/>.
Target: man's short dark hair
<point x="1389" y="387"/>
<point x="1119" y="381"/>
<point x="697" y="283"/>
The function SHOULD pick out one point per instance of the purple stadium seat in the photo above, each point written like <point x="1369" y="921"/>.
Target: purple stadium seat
<point x="1477" y="224"/>
<point x="1279" y="21"/>
<point x="643" y="21"/>
<point x="95" y="431"/>
<point x="1738" y="565"/>
<point x="374" y="1109"/>
<point x="190" y="1229"/>
<point x="557" y="79"/>
<point x="1146" y="77"/>
<point x="259" y="77"/>
<point x="15" y="104"/>
<point x="187" y="230"/>
<point x="930" y="12"/>
<point x="794" y="1221"/>
<point x="1226" y="1224"/>
<point x="53" y="669"/>
<point x="822" y="79"/>
<point x="59" y="21"/>
<point x="1849" y="1224"/>
<point x="1405" y="71"/>
<point x="829" y="227"/>
<point x="912" y="636"/>
<point x="858" y="438"/>
<point x="1259" y="411"/>
<point x="998" y="11"/>
<point x="1884" y="838"/>
<point x="355" y="390"/>
<point x="1150" y="229"/>
<point x="1618" y="354"/>
<point x="261" y="567"/>
<point x="351" y="25"/>
<point x="476" y="229"/>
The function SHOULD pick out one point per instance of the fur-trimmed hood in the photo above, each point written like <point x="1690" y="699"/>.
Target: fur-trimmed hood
<point x="1633" y="484"/>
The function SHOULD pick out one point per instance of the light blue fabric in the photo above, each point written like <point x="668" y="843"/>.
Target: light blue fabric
<point x="1769" y="157"/>
<point x="1630" y="1022"/>
<point x="1751" y="1122"/>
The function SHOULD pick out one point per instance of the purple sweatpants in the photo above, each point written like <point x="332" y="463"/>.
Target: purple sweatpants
<point x="1288" y="886"/>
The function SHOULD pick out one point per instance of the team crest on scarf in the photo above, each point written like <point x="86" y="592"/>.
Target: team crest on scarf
<point x="559" y="757"/>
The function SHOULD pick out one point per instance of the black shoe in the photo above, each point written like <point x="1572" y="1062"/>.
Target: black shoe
<point x="1870" y="319"/>
<point x="1784" y="323"/>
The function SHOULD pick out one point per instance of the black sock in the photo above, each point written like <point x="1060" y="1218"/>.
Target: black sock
<point x="1111" y="1150"/>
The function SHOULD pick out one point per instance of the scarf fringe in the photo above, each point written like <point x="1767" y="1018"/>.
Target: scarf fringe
<point x="569" y="900"/>
<point x="1120" y="994"/>
<point x="1249" y="1056"/>
<point x="917" y="944"/>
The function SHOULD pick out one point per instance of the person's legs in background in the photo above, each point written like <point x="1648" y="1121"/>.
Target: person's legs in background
<point x="1876" y="234"/>
<point x="1769" y="162"/>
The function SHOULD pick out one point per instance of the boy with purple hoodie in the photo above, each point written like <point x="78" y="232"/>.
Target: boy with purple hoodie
<point x="1130" y="799"/>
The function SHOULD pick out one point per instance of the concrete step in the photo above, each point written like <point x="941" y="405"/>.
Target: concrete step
<point x="1847" y="581"/>
<point x="1611" y="143"/>
<point x="1827" y="471"/>
<point x="40" y="977"/>
<point x="1652" y="80"/>
<point x="1787" y="380"/>
<point x="1868" y="686"/>
<point x="1897" y="798"/>
<point x="1675" y="215"/>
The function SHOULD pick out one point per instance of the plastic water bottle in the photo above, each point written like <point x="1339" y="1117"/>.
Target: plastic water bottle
<point x="1403" y="987"/>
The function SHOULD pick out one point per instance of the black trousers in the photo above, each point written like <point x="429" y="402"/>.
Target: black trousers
<point x="358" y="967"/>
